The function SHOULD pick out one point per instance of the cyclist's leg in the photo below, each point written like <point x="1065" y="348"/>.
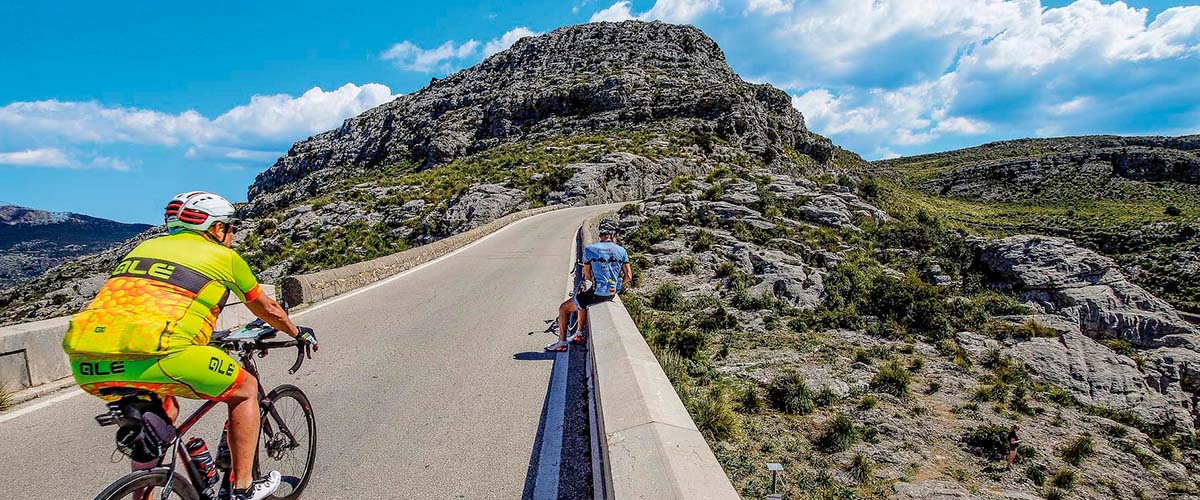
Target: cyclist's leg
<point x="243" y="430"/>
<point x="214" y="376"/>
<point x="564" y="312"/>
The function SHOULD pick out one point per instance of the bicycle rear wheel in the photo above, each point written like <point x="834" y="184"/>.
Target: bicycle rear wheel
<point x="288" y="440"/>
<point x="148" y="481"/>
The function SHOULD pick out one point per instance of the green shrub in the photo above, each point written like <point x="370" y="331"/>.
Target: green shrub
<point x="718" y="318"/>
<point x="1054" y="494"/>
<point x="861" y="468"/>
<point x="715" y="417"/>
<point x="788" y="393"/>
<point x="987" y="440"/>
<point x="676" y="370"/>
<point x="825" y="398"/>
<point x="6" y="399"/>
<point x="630" y="209"/>
<point x="838" y="434"/>
<point x="702" y="241"/>
<point x="667" y="297"/>
<point x="1173" y="211"/>
<point x="1064" y="478"/>
<point x="916" y="365"/>
<point x="686" y="342"/>
<point x="867" y="402"/>
<point x="750" y="401"/>
<point x="1078" y="449"/>
<point x="892" y="379"/>
<point x="1036" y="475"/>
<point x="683" y="265"/>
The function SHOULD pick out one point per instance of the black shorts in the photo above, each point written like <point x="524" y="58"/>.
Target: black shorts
<point x="589" y="297"/>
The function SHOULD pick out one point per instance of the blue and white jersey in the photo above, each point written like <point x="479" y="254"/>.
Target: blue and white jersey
<point x="607" y="260"/>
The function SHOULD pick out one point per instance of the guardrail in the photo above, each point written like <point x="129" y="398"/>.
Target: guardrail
<point x="31" y="353"/>
<point x="306" y="289"/>
<point x="650" y="448"/>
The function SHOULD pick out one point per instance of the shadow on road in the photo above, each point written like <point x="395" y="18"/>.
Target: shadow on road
<point x="533" y="356"/>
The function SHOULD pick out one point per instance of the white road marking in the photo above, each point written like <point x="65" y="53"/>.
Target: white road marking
<point x="39" y="405"/>
<point x="34" y="407"/>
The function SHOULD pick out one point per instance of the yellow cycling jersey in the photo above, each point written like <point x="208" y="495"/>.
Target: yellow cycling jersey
<point x="164" y="295"/>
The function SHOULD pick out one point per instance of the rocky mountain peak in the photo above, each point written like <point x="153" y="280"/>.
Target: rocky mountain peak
<point x="575" y="81"/>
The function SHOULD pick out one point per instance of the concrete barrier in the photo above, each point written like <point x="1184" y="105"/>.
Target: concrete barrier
<point x="306" y="289"/>
<point x="31" y="353"/>
<point x="649" y="446"/>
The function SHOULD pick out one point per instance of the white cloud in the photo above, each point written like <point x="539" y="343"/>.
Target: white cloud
<point x="110" y="163"/>
<point x="679" y="11"/>
<point x="42" y="157"/>
<point x="57" y="158"/>
<point x="671" y="11"/>
<point x="281" y="117"/>
<point x="409" y="56"/>
<point x="267" y="121"/>
<point x="769" y="7"/>
<point x="616" y="12"/>
<point x="911" y="72"/>
<point x="960" y="125"/>
<point x="506" y="40"/>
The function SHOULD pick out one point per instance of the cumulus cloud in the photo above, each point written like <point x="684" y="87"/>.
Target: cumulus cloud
<point x="409" y="56"/>
<point x="507" y="39"/>
<point x="616" y="13"/>
<point x="907" y="73"/>
<point x="671" y="11"/>
<point x="769" y="7"/>
<point x="41" y="157"/>
<point x="57" y="158"/>
<point x="271" y="120"/>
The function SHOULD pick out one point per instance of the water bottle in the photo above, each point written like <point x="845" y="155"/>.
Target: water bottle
<point x="224" y="460"/>
<point x="198" y="451"/>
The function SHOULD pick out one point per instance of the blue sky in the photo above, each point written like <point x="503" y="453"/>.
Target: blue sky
<point x="109" y="110"/>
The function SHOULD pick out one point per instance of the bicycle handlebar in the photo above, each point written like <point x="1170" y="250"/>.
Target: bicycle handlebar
<point x="300" y="351"/>
<point x="262" y="346"/>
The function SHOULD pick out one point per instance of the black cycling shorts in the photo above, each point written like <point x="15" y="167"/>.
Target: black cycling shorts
<point x="589" y="297"/>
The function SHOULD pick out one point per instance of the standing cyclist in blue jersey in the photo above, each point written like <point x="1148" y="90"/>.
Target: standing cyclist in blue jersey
<point x="606" y="265"/>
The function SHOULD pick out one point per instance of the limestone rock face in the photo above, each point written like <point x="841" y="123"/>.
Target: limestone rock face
<point x="577" y="80"/>
<point x="931" y="490"/>
<point x="1097" y="376"/>
<point x="1058" y="277"/>
<point x="481" y="204"/>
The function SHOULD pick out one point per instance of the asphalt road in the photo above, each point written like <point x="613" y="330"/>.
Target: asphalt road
<point x="428" y="386"/>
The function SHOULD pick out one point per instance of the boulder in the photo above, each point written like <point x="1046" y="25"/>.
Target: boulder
<point x="786" y="278"/>
<point x="482" y="204"/>
<point x="1055" y="276"/>
<point x="1097" y="376"/>
<point x="931" y="490"/>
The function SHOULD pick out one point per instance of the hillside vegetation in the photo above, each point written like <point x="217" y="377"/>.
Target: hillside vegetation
<point x="1135" y="199"/>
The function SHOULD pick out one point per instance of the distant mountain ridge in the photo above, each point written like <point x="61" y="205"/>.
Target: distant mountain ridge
<point x="32" y="240"/>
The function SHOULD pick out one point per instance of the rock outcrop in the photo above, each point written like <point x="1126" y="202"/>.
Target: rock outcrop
<point x="1058" y="277"/>
<point x="574" y="81"/>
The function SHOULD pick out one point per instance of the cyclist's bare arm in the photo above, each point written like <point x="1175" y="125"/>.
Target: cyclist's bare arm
<point x="626" y="275"/>
<point x="270" y="311"/>
<point x="587" y="273"/>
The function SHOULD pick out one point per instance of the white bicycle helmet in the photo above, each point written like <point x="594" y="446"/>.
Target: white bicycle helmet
<point x="197" y="211"/>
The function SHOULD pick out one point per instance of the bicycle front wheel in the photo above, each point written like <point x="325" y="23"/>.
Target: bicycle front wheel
<point x="288" y="440"/>
<point x="146" y="484"/>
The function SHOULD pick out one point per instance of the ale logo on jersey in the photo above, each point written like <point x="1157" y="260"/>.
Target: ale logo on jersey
<point x="160" y="270"/>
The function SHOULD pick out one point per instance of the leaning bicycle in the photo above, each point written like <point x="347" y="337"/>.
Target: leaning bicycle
<point x="287" y="437"/>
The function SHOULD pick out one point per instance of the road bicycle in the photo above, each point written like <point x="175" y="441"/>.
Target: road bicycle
<point x="287" y="438"/>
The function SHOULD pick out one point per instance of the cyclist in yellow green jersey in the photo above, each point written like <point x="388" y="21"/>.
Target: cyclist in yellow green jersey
<point x="150" y="324"/>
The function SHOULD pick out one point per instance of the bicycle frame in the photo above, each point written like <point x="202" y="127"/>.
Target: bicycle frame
<point x="179" y="453"/>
